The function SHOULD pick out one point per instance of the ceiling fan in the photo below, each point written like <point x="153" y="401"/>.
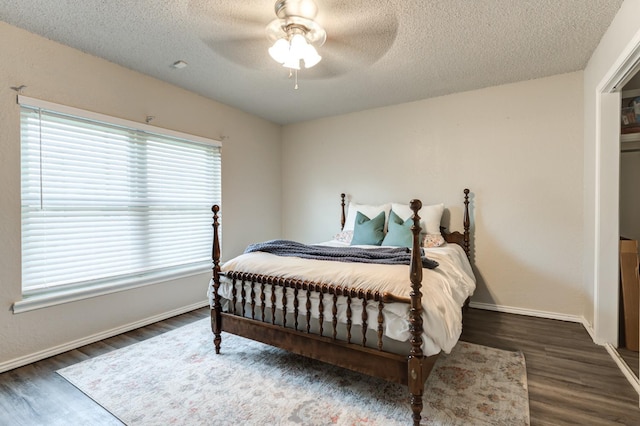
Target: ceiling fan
<point x="348" y="36"/>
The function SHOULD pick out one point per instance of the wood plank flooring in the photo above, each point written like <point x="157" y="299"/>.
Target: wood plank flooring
<point x="571" y="380"/>
<point x="34" y="395"/>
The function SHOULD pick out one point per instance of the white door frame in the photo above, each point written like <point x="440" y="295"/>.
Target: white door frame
<point x="607" y="182"/>
<point x="607" y="202"/>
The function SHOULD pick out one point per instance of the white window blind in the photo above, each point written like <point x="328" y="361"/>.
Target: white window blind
<point x="104" y="199"/>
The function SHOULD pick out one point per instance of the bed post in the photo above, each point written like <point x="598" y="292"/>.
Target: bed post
<point x="216" y="316"/>
<point x="466" y="224"/>
<point x="415" y="362"/>
<point x="343" y="218"/>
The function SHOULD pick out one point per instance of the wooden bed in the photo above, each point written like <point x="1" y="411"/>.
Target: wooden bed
<point x="304" y="335"/>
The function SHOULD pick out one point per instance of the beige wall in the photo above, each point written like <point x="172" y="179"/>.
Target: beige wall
<point x="63" y="75"/>
<point x="518" y="147"/>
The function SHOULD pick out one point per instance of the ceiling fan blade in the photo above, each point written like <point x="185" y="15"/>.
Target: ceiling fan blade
<point x="348" y="49"/>
<point x="365" y="48"/>
<point x="356" y="35"/>
<point x="233" y="14"/>
<point x="249" y="52"/>
<point x="355" y="16"/>
<point x="325" y="69"/>
<point x="234" y="30"/>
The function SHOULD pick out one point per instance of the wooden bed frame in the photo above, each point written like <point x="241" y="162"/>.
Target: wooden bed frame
<point x="411" y="370"/>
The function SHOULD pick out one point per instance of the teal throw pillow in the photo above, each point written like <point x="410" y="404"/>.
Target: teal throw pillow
<point x="368" y="231"/>
<point x="398" y="233"/>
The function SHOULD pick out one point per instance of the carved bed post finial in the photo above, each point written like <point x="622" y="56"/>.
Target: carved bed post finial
<point x="343" y="217"/>
<point x="415" y="363"/>
<point x="216" y="316"/>
<point x="466" y="224"/>
<point x="416" y="261"/>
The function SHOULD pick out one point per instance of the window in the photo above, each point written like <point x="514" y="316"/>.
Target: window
<point x="107" y="201"/>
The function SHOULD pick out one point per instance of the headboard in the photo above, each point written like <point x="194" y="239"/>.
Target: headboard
<point x="456" y="237"/>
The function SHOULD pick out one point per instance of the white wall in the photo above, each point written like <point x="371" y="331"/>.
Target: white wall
<point x="518" y="147"/>
<point x="63" y="75"/>
<point x="601" y="171"/>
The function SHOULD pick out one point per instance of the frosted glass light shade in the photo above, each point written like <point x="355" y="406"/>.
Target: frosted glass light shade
<point x="298" y="46"/>
<point x="280" y="50"/>
<point x="311" y="56"/>
<point x="292" y="62"/>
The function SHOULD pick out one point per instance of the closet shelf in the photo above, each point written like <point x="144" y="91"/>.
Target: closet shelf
<point x="630" y="137"/>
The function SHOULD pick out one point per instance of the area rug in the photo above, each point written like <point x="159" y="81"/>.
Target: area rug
<point x="177" y="379"/>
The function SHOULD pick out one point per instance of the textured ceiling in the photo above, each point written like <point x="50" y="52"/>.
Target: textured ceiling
<point x="378" y="52"/>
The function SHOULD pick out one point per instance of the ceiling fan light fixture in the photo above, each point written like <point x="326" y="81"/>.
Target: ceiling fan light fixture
<point x="295" y="34"/>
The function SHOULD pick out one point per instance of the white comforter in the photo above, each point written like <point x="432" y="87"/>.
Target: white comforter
<point x="444" y="289"/>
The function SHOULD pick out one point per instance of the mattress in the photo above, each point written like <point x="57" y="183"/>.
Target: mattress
<point x="444" y="290"/>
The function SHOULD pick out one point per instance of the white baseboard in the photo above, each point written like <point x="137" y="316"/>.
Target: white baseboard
<point x="622" y="365"/>
<point x="37" y="356"/>
<point x="540" y="314"/>
<point x="527" y="312"/>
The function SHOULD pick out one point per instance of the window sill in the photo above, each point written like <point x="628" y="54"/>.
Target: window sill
<point x="52" y="297"/>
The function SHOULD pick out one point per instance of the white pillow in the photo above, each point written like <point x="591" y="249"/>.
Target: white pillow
<point x="344" y="237"/>
<point x="430" y="216"/>
<point x="432" y="240"/>
<point x="367" y="210"/>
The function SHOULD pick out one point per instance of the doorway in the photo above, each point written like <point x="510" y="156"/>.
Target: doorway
<point x="605" y="197"/>
<point x="629" y="213"/>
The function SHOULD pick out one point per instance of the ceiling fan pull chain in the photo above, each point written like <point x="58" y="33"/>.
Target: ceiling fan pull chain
<point x="291" y="74"/>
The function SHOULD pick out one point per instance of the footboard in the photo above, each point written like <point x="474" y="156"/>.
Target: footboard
<point x="258" y="294"/>
<point x="307" y="314"/>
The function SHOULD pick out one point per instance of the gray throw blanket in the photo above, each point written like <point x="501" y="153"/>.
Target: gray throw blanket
<point x="383" y="255"/>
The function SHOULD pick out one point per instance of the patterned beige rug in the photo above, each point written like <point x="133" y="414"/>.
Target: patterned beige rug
<point x="176" y="379"/>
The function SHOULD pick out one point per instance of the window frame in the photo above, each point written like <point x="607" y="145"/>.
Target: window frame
<point x="39" y="298"/>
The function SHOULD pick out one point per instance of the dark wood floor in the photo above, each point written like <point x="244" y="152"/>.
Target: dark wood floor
<point x="34" y="395"/>
<point x="571" y="380"/>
